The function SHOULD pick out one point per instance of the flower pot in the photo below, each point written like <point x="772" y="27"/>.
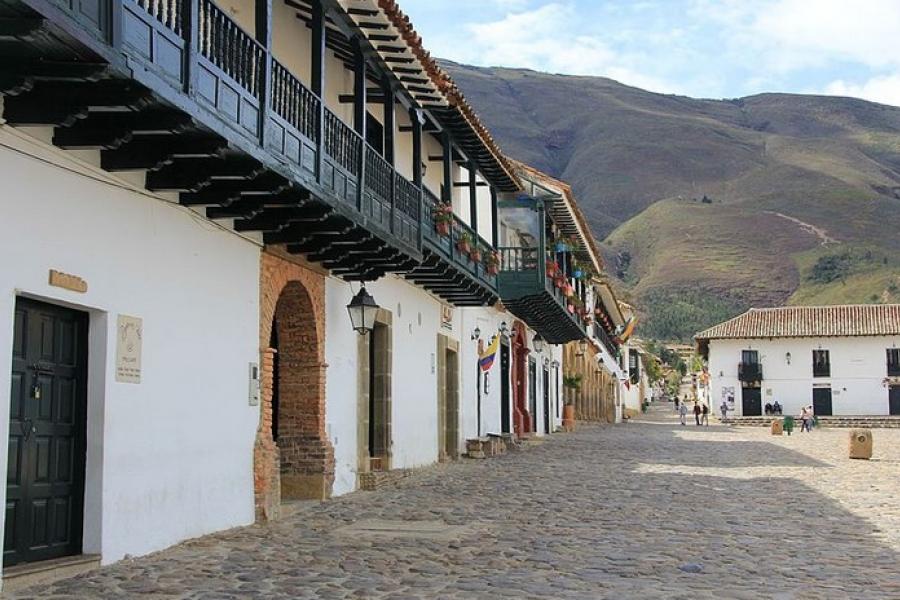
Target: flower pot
<point x="463" y="246"/>
<point x="578" y="274"/>
<point x="569" y="417"/>
<point x="493" y="270"/>
<point x="571" y="309"/>
<point x="475" y="255"/>
<point x="442" y="228"/>
<point x="561" y="247"/>
<point x="560" y="282"/>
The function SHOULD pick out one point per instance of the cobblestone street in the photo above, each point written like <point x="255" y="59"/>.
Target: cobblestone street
<point x="617" y="512"/>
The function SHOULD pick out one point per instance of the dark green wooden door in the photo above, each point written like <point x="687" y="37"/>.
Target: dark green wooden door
<point x="751" y="402"/>
<point x="894" y="400"/>
<point x="822" y="401"/>
<point x="46" y="452"/>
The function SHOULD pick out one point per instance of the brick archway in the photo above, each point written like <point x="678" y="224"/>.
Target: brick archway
<point x="300" y="464"/>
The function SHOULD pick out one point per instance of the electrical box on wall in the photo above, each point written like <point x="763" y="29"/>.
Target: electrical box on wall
<point x="254" y="384"/>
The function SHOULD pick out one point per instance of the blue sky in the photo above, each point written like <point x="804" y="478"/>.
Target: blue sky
<point x="700" y="48"/>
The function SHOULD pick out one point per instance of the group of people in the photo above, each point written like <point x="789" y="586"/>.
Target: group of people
<point x="807" y="419"/>
<point x="701" y="411"/>
<point x="773" y="409"/>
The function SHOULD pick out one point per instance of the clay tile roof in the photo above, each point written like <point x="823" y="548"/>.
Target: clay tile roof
<point x="441" y="82"/>
<point x="810" y="321"/>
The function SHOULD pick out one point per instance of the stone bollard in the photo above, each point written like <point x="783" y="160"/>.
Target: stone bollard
<point x="861" y="443"/>
<point x="777" y="427"/>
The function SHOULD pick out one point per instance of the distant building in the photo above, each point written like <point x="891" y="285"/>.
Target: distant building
<point x="842" y="360"/>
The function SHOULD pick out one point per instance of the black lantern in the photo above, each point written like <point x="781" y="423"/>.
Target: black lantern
<point x="538" y="342"/>
<point x="582" y="347"/>
<point x="362" y="309"/>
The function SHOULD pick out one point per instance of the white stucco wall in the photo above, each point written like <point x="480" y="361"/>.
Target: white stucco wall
<point x="169" y="458"/>
<point x="416" y="323"/>
<point x="858" y="370"/>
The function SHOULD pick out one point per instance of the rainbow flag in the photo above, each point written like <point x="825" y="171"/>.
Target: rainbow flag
<point x="486" y="360"/>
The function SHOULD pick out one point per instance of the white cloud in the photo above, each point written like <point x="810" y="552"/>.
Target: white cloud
<point x="884" y="89"/>
<point x="545" y="39"/>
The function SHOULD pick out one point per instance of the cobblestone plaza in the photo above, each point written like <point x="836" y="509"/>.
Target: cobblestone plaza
<point x="607" y="512"/>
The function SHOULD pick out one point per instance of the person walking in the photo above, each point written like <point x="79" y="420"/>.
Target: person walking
<point x="804" y="421"/>
<point x="697" y="413"/>
<point x="704" y="418"/>
<point x="724" y="410"/>
<point x="682" y="411"/>
<point x="676" y="403"/>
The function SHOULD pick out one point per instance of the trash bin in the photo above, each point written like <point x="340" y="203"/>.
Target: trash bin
<point x="861" y="443"/>
<point x="788" y="424"/>
<point x="777" y="427"/>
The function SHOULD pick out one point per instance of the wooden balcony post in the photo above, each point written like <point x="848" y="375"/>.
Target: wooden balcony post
<point x="318" y="77"/>
<point x="359" y="116"/>
<point x="264" y="37"/>
<point x="389" y="98"/>
<point x="190" y="33"/>
<point x="415" y="117"/>
<point x="473" y="196"/>
<point x="115" y="23"/>
<point x="447" y="188"/>
<point x="495" y="226"/>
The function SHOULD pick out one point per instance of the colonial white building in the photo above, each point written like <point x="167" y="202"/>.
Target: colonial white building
<point x="842" y="360"/>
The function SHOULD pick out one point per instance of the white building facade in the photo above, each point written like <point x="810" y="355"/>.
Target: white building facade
<point x="842" y="360"/>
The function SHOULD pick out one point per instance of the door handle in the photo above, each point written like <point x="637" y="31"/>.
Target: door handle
<point x="28" y="428"/>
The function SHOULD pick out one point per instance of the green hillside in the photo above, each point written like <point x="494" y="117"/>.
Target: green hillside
<point x="708" y="207"/>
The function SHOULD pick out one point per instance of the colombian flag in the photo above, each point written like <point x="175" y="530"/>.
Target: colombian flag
<point x="486" y="360"/>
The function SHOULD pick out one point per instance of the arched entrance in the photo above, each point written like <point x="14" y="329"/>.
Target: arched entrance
<point x="293" y="458"/>
<point x="522" y="419"/>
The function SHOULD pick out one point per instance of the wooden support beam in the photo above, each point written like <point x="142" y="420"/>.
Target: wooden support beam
<point x="473" y="196"/>
<point x="388" y="122"/>
<point x="317" y="56"/>
<point x="150" y="153"/>
<point x="447" y="187"/>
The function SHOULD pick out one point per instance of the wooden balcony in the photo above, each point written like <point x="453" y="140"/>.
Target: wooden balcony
<point x="178" y="89"/>
<point x="529" y="294"/>
<point x="456" y="264"/>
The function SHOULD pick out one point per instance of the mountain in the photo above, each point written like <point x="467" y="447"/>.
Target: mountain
<point x="707" y="207"/>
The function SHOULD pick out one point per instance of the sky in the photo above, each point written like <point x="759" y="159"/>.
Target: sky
<point x="699" y="48"/>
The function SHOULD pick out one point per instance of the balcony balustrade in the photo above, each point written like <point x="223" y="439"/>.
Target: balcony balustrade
<point x="178" y="88"/>
<point x="750" y="372"/>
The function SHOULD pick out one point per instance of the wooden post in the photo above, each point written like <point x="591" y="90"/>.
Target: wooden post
<point x="318" y="77"/>
<point x="495" y="226"/>
<point x="388" y="114"/>
<point x="447" y="188"/>
<point x="415" y="117"/>
<point x="264" y="37"/>
<point x="359" y="116"/>
<point x="473" y="196"/>
<point x="190" y="33"/>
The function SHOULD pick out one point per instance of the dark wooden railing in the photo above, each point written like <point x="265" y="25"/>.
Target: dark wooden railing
<point x="605" y="339"/>
<point x="407" y="196"/>
<point x="230" y="48"/>
<point x="294" y="102"/>
<point x="168" y="12"/>
<point x="379" y="175"/>
<point x="342" y="143"/>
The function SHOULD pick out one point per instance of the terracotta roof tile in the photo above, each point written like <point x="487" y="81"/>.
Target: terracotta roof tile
<point x="810" y="321"/>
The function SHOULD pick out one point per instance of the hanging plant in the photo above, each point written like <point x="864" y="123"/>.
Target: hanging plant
<point x="464" y="243"/>
<point x="492" y="263"/>
<point x="443" y="219"/>
<point x="475" y="254"/>
<point x="552" y="268"/>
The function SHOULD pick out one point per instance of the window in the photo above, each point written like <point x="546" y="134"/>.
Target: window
<point x="821" y="363"/>
<point x="750" y="357"/>
<point x="893" y="362"/>
<point x="633" y="368"/>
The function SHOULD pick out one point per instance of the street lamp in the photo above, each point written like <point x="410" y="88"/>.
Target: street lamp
<point x="538" y="342"/>
<point x="555" y="364"/>
<point x="362" y="309"/>
<point x="476" y="334"/>
<point x="582" y="347"/>
<point x="504" y="329"/>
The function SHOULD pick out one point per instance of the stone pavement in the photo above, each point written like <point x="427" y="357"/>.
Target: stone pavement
<point x="606" y="512"/>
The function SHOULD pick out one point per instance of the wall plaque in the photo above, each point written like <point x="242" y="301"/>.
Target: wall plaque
<point x="67" y="282"/>
<point x="129" y="334"/>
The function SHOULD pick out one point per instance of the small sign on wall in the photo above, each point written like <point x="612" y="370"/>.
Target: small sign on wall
<point x="129" y="334"/>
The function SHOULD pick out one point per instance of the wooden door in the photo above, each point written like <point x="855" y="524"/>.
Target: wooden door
<point x="532" y="395"/>
<point x="546" y="383"/>
<point x="894" y="400"/>
<point x="751" y="402"/>
<point x="504" y="389"/>
<point x="46" y="452"/>
<point x="821" y="401"/>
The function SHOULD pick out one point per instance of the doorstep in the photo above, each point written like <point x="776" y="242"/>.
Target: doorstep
<point x="26" y="575"/>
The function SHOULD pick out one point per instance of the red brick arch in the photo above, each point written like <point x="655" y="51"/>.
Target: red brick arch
<point x="301" y="464"/>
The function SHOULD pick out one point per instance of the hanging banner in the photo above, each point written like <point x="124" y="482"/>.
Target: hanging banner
<point x="486" y="359"/>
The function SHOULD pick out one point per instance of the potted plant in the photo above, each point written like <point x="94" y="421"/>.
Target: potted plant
<point x="475" y="253"/>
<point x="560" y="281"/>
<point x="552" y="268"/>
<point x="492" y="263"/>
<point x="443" y="219"/>
<point x="561" y="245"/>
<point x="571" y="382"/>
<point x="464" y="243"/>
